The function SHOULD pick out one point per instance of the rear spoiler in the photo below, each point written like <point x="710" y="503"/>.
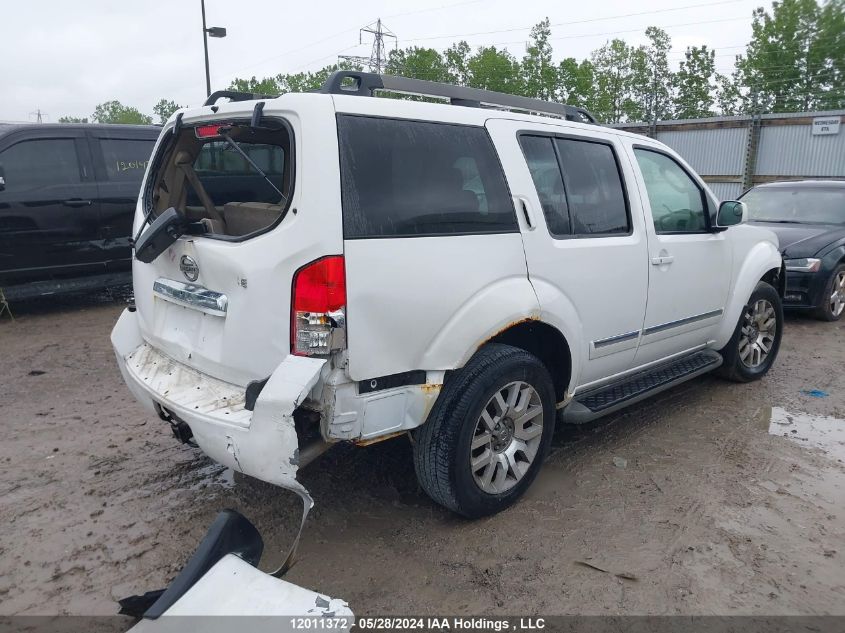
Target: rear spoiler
<point x="234" y="95"/>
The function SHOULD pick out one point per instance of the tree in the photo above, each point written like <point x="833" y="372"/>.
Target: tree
<point x="419" y="63"/>
<point x="116" y="112"/>
<point x="457" y="60"/>
<point x="493" y="69"/>
<point x="695" y="83"/>
<point x="612" y="75"/>
<point x="539" y="73"/>
<point x="293" y="82"/>
<point x="795" y="59"/>
<point x="73" y="119"/>
<point x="651" y="81"/>
<point x="164" y="109"/>
<point x="729" y="94"/>
<point x="576" y="82"/>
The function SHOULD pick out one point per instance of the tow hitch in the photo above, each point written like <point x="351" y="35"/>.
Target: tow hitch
<point x="181" y="431"/>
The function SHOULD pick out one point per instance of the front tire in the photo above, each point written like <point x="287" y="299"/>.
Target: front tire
<point x="488" y="432"/>
<point x="832" y="304"/>
<point x="752" y="350"/>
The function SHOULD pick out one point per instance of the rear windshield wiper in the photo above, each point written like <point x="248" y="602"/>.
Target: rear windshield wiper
<point x="222" y="131"/>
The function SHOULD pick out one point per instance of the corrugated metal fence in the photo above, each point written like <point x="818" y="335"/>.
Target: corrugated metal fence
<point x="733" y="153"/>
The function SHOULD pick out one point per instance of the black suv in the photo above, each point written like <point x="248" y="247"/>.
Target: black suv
<point x="67" y="200"/>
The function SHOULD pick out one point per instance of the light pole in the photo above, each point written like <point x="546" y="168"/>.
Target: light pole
<point x="214" y="31"/>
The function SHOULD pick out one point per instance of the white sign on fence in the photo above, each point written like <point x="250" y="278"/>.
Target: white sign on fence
<point x="826" y="125"/>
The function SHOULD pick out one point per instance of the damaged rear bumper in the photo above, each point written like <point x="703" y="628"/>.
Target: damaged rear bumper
<point x="261" y="443"/>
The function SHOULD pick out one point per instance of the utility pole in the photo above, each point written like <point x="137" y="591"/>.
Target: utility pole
<point x="377" y="60"/>
<point x="214" y="31"/>
<point x="39" y="115"/>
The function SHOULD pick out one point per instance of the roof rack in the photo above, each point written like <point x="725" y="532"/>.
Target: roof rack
<point x="234" y="95"/>
<point x="347" y="82"/>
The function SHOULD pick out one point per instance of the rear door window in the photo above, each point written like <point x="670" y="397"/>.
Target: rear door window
<point x="545" y="171"/>
<point x="404" y="178"/>
<point x="579" y="186"/>
<point x="40" y="163"/>
<point x="594" y="190"/>
<point x="126" y="160"/>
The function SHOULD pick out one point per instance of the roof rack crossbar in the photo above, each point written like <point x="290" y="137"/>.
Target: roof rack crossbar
<point x="347" y="82"/>
<point x="234" y="95"/>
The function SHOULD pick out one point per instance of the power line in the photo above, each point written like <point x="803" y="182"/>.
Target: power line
<point x="585" y="21"/>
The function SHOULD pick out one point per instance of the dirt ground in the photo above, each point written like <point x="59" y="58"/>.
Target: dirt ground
<point x="708" y="509"/>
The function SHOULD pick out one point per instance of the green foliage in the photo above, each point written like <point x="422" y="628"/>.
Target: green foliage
<point x="651" y="83"/>
<point x="613" y="74"/>
<point x="419" y="63"/>
<point x="539" y="73"/>
<point x="796" y="57"/>
<point x="116" y="112"/>
<point x="794" y="61"/>
<point x="695" y="83"/>
<point x="164" y="109"/>
<point x="493" y="69"/>
<point x="73" y="119"/>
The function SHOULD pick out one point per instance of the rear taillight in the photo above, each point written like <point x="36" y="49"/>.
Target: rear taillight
<point x="318" y="307"/>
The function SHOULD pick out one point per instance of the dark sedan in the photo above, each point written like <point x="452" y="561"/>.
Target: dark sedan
<point x="809" y="219"/>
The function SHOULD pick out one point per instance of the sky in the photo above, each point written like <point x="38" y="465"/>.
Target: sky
<point x="64" y="57"/>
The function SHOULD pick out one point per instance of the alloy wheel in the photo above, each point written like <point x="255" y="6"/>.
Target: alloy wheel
<point x="837" y="297"/>
<point x="506" y="438"/>
<point x="758" y="333"/>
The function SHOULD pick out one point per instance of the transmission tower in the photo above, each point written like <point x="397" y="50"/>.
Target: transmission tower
<point x="39" y="115"/>
<point x="376" y="62"/>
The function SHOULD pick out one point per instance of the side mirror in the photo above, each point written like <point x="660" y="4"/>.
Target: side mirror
<point x="731" y="212"/>
<point x="2" y="179"/>
<point x="169" y="226"/>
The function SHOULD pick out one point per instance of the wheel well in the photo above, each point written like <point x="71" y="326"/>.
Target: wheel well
<point x="776" y="277"/>
<point x="547" y="344"/>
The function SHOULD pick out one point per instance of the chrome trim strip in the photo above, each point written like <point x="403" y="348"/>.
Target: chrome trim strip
<point x="615" y="339"/>
<point x="692" y="319"/>
<point x="191" y="296"/>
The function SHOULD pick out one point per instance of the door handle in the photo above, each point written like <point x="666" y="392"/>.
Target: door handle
<point x="526" y="213"/>
<point x="76" y="202"/>
<point x="662" y="260"/>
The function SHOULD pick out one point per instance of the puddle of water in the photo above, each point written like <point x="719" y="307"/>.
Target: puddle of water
<point x="818" y="431"/>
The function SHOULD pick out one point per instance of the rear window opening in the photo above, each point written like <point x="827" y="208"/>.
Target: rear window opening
<point x="234" y="179"/>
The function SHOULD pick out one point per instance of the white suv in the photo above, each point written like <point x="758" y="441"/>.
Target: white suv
<point x="340" y="267"/>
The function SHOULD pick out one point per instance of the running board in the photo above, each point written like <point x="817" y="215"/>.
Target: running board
<point x="602" y="400"/>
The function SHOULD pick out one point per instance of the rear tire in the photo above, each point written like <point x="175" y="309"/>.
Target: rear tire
<point x="754" y="345"/>
<point x="832" y="304"/>
<point x="488" y="433"/>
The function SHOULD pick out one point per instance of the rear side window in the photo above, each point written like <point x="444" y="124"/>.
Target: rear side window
<point x="40" y="163"/>
<point x="579" y="186"/>
<point x="593" y="188"/>
<point x="126" y="159"/>
<point x="545" y="171"/>
<point x="410" y="178"/>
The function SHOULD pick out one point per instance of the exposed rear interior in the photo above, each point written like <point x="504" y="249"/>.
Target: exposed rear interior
<point x="203" y="175"/>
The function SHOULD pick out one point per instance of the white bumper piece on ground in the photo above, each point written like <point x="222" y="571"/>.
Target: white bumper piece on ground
<point x="261" y="443"/>
<point x="233" y="587"/>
